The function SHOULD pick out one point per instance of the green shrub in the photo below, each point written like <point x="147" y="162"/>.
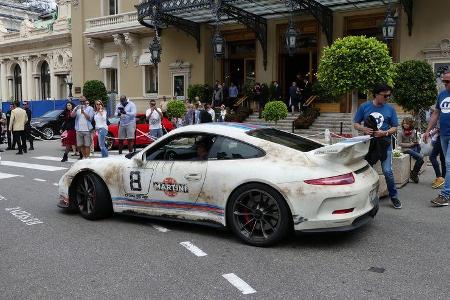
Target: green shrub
<point x="275" y="111"/>
<point x="95" y="90"/>
<point x="203" y="91"/>
<point x="414" y="85"/>
<point x="323" y="93"/>
<point x="355" y="63"/>
<point x="176" y="109"/>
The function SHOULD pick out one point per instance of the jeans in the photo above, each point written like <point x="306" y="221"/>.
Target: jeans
<point x="386" y="166"/>
<point x="415" y="153"/>
<point x="102" y="132"/>
<point x="156" y="133"/>
<point x="445" y="140"/>
<point x="437" y="150"/>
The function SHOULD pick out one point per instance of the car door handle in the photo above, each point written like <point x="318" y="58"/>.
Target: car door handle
<point x="193" y="176"/>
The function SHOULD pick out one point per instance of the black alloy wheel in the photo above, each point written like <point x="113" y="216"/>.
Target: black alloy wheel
<point x="258" y="215"/>
<point x="47" y="133"/>
<point x="92" y="197"/>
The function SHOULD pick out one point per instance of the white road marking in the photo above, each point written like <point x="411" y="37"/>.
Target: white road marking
<point x="160" y="228"/>
<point x="55" y="184"/>
<point x="53" y="158"/>
<point x="6" y="175"/>
<point x="23" y="216"/>
<point x="31" y="166"/>
<point x="2" y="198"/>
<point x="239" y="283"/>
<point x="194" y="249"/>
<point x="40" y="180"/>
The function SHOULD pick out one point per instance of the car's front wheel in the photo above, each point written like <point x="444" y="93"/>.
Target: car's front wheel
<point x="92" y="197"/>
<point x="258" y="215"/>
<point x="109" y="142"/>
<point x="47" y="133"/>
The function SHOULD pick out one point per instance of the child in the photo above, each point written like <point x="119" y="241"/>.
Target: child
<point x="409" y="144"/>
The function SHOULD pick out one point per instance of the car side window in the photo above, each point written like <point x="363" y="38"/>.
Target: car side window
<point x="226" y="148"/>
<point x="183" y="147"/>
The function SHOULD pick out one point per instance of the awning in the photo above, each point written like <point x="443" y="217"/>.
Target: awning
<point x="145" y="59"/>
<point x="109" y="62"/>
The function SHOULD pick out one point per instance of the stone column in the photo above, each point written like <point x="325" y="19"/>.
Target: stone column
<point x="37" y="95"/>
<point x="10" y="88"/>
<point x="53" y="85"/>
<point x="4" y="81"/>
<point x="23" y="66"/>
<point x="30" y="83"/>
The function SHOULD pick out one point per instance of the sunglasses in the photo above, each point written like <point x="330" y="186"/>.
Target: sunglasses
<point x="446" y="81"/>
<point x="385" y="96"/>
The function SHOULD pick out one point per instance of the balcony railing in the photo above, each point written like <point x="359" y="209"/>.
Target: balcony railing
<point x="119" y="20"/>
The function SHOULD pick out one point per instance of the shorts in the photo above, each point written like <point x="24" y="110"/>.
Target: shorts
<point x="84" y="139"/>
<point x="127" y="132"/>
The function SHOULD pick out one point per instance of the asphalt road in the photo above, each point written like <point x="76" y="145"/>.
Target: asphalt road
<point x="402" y="254"/>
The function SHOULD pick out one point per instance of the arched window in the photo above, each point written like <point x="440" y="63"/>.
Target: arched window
<point x="17" y="83"/>
<point x="45" y="81"/>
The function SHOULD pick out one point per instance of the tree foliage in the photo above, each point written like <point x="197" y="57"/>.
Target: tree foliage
<point x="176" y="109"/>
<point x="355" y="63"/>
<point x="275" y="111"/>
<point x="414" y="85"/>
<point x="95" y="90"/>
<point x="203" y="91"/>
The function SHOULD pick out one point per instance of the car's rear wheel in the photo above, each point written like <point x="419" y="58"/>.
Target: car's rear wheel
<point x="92" y="197"/>
<point x="258" y="215"/>
<point x="47" y="133"/>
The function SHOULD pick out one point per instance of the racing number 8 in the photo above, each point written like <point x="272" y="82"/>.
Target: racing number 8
<point x="135" y="181"/>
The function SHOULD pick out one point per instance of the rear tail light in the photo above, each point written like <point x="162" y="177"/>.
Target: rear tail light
<point x="343" y="211"/>
<point x="335" y="180"/>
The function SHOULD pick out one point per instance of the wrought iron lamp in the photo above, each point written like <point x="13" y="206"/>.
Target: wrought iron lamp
<point x="389" y="24"/>
<point x="291" y="39"/>
<point x="155" y="50"/>
<point x="69" y="83"/>
<point x="218" y="41"/>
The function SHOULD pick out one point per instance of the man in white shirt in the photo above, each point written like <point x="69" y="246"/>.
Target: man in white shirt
<point x="154" y="116"/>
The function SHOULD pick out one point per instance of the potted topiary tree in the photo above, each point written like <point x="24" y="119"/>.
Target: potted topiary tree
<point x="95" y="90"/>
<point x="275" y="111"/>
<point x="414" y="86"/>
<point x="176" y="109"/>
<point x="355" y="63"/>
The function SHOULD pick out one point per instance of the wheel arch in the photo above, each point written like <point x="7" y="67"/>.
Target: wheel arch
<point x="82" y="173"/>
<point x="274" y="188"/>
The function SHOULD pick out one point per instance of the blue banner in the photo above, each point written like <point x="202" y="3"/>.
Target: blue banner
<point x="40" y="107"/>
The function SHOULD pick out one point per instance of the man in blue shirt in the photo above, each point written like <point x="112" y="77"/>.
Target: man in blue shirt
<point x="126" y="111"/>
<point x="233" y="93"/>
<point x="387" y="122"/>
<point x="442" y="113"/>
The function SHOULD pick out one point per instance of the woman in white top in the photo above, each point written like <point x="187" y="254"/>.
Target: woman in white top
<point x="154" y="116"/>
<point x="101" y="126"/>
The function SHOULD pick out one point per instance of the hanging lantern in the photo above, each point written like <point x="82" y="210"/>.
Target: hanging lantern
<point x="155" y="50"/>
<point x="218" y="45"/>
<point x="389" y="25"/>
<point x="291" y="39"/>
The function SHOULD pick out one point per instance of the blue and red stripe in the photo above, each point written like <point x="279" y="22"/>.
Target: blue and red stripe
<point x="180" y="205"/>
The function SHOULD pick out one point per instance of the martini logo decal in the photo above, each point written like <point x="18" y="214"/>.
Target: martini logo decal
<point x="379" y="117"/>
<point x="170" y="187"/>
<point x="445" y="105"/>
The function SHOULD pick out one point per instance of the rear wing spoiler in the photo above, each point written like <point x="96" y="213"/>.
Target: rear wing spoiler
<point x="347" y="151"/>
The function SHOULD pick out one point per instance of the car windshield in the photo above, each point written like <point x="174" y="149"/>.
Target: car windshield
<point x="52" y="114"/>
<point x="286" y="139"/>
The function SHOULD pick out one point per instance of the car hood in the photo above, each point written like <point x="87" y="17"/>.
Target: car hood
<point x="41" y="120"/>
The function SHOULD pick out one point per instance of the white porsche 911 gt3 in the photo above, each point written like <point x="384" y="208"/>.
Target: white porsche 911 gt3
<point x="258" y="181"/>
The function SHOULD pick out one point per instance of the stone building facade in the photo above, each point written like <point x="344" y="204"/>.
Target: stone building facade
<point x="36" y="60"/>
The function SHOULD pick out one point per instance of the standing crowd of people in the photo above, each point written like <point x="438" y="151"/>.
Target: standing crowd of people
<point x="17" y="123"/>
